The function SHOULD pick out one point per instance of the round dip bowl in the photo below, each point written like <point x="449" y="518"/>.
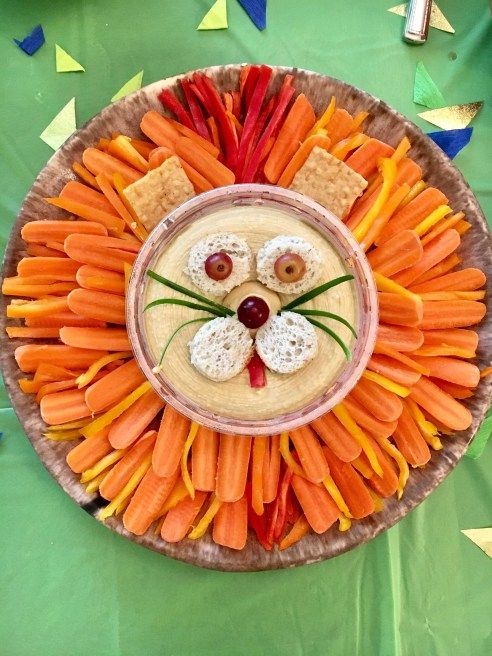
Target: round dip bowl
<point x="314" y="216"/>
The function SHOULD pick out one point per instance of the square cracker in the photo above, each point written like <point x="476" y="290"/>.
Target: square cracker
<point x="329" y="181"/>
<point x="159" y="192"/>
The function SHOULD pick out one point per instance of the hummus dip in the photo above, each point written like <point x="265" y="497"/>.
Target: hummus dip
<point x="234" y="398"/>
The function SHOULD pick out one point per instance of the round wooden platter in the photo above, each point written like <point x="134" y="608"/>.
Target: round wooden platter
<point x="475" y="251"/>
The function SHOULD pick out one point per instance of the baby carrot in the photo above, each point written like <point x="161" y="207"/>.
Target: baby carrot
<point x="173" y="431"/>
<point x="409" y="440"/>
<point x="115" y="200"/>
<point x="84" y="174"/>
<point x="158" y="156"/>
<point x="318" y="506"/>
<point x="61" y="268"/>
<point x="464" y="280"/>
<point x="399" y="310"/>
<point x="408" y="172"/>
<point x="109" y="221"/>
<point x="336" y="437"/>
<point x="380" y="402"/>
<point x="271" y="469"/>
<point x="40" y="232"/>
<point x="260" y="446"/>
<point x="310" y="453"/>
<point x="61" y="319"/>
<point x="298" y="531"/>
<point x="25" y="332"/>
<point x="400" y="338"/>
<point x="30" y="356"/>
<point x="159" y="130"/>
<point x="199" y="182"/>
<point x="41" y="307"/>
<point x="446" y="265"/>
<point x="34" y="287"/>
<point x="231" y="524"/>
<point x="367" y="420"/>
<point x="179" y="519"/>
<point x="400" y="252"/>
<point x="81" y="193"/>
<point x="440" y="405"/>
<point x="384" y="216"/>
<point x="339" y="126"/>
<point x="122" y="148"/>
<point x="61" y="407"/>
<point x="194" y="136"/>
<point x="39" y="250"/>
<point x="106" y="255"/>
<point x="104" y="339"/>
<point x="452" y="370"/>
<point x="456" y="391"/>
<point x="131" y="423"/>
<point x="104" y="280"/>
<point x="98" y="162"/>
<point x="202" y="161"/>
<point x="451" y="314"/>
<point x="88" y="452"/>
<point x="394" y="370"/>
<point x="351" y="486"/>
<point x="114" y="386"/>
<point x="232" y="467"/>
<point x="97" y="305"/>
<point x="300" y="156"/>
<point x="365" y="159"/>
<point x="385" y="484"/>
<point x="204" y="459"/>
<point x="457" y="337"/>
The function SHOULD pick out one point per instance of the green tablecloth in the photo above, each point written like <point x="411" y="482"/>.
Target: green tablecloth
<point x="68" y="585"/>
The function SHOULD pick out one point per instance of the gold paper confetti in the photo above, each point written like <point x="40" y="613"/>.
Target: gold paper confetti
<point x="453" y="117"/>
<point x="482" y="537"/>
<point x="437" y="18"/>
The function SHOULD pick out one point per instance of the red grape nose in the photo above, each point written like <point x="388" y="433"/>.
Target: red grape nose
<point x="253" y="312"/>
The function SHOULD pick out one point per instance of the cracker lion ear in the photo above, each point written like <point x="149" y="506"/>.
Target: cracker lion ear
<point x="274" y="248"/>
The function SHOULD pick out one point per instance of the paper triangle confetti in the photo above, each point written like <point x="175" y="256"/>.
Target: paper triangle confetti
<point x="216" y="17"/>
<point x="482" y="537"/>
<point x="453" y="117"/>
<point x="65" y="63"/>
<point x="425" y="91"/>
<point x="256" y="10"/>
<point x="452" y="141"/>
<point x="32" y="42"/>
<point x="437" y="18"/>
<point x="61" y="127"/>
<point x="132" y="85"/>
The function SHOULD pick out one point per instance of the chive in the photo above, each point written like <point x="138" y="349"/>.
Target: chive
<point x="186" y="323"/>
<point x="330" y="332"/>
<point x="330" y="315"/>
<point x="304" y="298"/>
<point x="178" y="301"/>
<point x="188" y="292"/>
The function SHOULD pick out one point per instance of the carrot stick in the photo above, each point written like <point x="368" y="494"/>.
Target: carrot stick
<point x="61" y="319"/>
<point x="158" y="130"/>
<point x="158" y="156"/>
<point x="214" y="132"/>
<point x="457" y="337"/>
<point x="218" y="174"/>
<point x="310" y="453"/>
<point x="365" y="159"/>
<point x="440" y="405"/>
<point x="114" y="386"/>
<point x="318" y="506"/>
<point x="59" y="268"/>
<point x="104" y="339"/>
<point x="130" y="246"/>
<point x="232" y="467"/>
<point x="40" y="232"/>
<point x="131" y="423"/>
<point x="84" y="174"/>
<point x="143" y="147"/>
<point x="386" y="484"/>
<point x="120" y="474"/>
<point x="179" y="519"/>
<point x="41" y="307"/>
<point x="204" y="454"/>
<point x="97" y="305"/>
<point x="456" y="391"/>
<point x="93" y="277"/>
<point x="343" y="415"/>
<point x="109" y="221"/>
<point x="30" y="356"/>
<point x="409" y="440"/>
<point x="400" y="338"/>
<point x="60" y="407"/>
<point x="464" y="280"/>
<point x="361" y="207"/>
<point x="441" y="226"/>
<point x="199" y="182"/>
<point x="98" y="162"/>
<point x="381" y="403"/>
<point x="57" y="386"/>
<point x="147" y="500"/>
<point x="336" y="437"/>
<point x="351" y="486"/>
<point x="367" y="420"/>
<point x="300" y="156"/>
<point x="408" y="172"/>
<point x="452" y="370"/>
<point x="400" y="252"/>
<point x="231" y="524"/>
<point x="25" y="332"/>
<point x="398" y="310"/>
<point x="29" y="287"/>
<point x="81" y="193"/>
<point x="298" y="531"/>
<point x="271" y="469"/>
<point x="200" y="529"/>
<point x="116" y="202"/>
<point x="339" y="126"/>
<point x="203" y="143"/>
<point x="451" y="314"/>
<point x="173" y="431"/>
<point x="345" y="146"/>
<point x="38" y="250"/>
<point x="88" y="452"/>
<point x="299" y="121"/>
<point x="260" y="445"/>
<point x="440" y="269"/>
<point x="384" y="216"/>
<point x="122" y="148"/>
<point x="393" y="369"/>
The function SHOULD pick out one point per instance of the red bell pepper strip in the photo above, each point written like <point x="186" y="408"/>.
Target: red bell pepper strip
<point x="278" y="517"/>
<point x="169" y="100"/>
<point x="243" y="76"/>
<point x="257" y="522"/>
<point x="197" y="93"/>
<point x="260" y="124"/>
<point x="249" y="86"/>
<point x="256" y="369"/>
<point x="285" y="95"/>
<point x="236" y="104"/>
<point x="195" y="110"/>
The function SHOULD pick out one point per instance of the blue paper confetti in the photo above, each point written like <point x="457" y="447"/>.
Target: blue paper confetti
<point x="33" y="41"/>
<point x="451" y="141"/>
<point x="256" y="10"/>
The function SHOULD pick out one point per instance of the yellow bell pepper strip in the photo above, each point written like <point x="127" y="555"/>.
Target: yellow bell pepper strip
<point x="378" y="502"/>
<point x="61" y="436"/>
<point x="387" y="167"/>
<point x="325" y="117"/>
<point x="358" y="120"/>
<point x="388" y="384"/>
<point x="342" y="148"/>
<point x="126" y="492"/>
<point x="428" y="430"/>
<point x="85" y="378"/>
<point x="393" y="452"/>
<point x="103" y="464"/>
<point x="384" y="284"/>
<point x="121" y="147"/>
<point x="204" y="523"/>
<point x="184" y="459"/>
<point x="93" y="485"/>
<point x="433" y="218"/>
<point x="342" y="414"/>
<point x="344" y="523"/>
<point x="399" y="153"/>
<point x="287" y="456"/>
<point x="417" y="188"/>
<point x="336" y="495"/>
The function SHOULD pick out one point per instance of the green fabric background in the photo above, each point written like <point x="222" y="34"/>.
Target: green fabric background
<point x="69" y="586"/>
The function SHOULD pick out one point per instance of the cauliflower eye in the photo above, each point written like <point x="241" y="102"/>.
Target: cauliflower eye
<point x="288" y="264"/>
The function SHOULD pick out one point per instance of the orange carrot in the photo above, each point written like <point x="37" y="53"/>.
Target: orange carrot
<point x="393" y="370"/>
<point x="367" y="420"/>
<point x="41" y="307"/>
<point x="30" y="356"/>
<point x="147" y="501"/>
<point x="401" y="338"/>
<point x="88" y="452"/>
<point x="462" y="227"/>
<point x="300" y="156"/>
<point x="159" y="130"/>
<point x="452" y="370"/>
<point x="339" y="126"/>
<point x="271" y="469"/>
<point x="352" y="488"/>
<point x="114" y="387"/>
<point x="81" y="193"/>
<point x="440" y="269"/>
<point x="232" y="467"/>
<point x="400" y="252"/>
<point x="361" y="207"/>
<point x="384" y="216"/>
<point x="59" y="268"/>
<point x="194" y="136"/>
<point x="173" y="431"/>
<point x="200" y="183"/>
<point x="84" y="174"/>
<point x="336" y="437"/>
<point x="408" y="172"/>
<point x="109" y="221"/>
<point x="61" y="407"/>
<point x="61" y="319"/>
<point x="383" y="349"/>
<point x="365" y="159"/>
<point x="318" y="506"/>
<point x="93" y="277"/>
<point x="122" y="148"/>
<point x="387" y="484"/>
<point x="298" y="531"/>
<point x="97" y="305"/>
<point x="260" y="446"/>
<point x="451" y="314"/>
<point x="310" y="453"/>
<point x="434" y="252"/>
<point x="133" y="421"/>
<point x="204" y="459"/>
<point x="143" y="147"/>
<point x="441" y="226"/>
<point x="25" y="332"/>
<point x="464" y="280"/>
<point x="214" y="132"/>
<point x="456" y="391"/>
<point x="38" y="250"/>
<point x="158" y="156"/>
<point x="179" y="519"/>
<point x="380" y="402"/>
<point x="409" y="440"/>
<point x="231" y="524"/>
<point x="398" y="310"/>
<point x="40" y="232"/>
<point x="104" y="339"/>
<point x="99" y="162"/>
<point x="101" y="253"/>
<point x="114" y="199"/>
<point x="440" y="405"/>
<point x="300" y="119"/>
<point x="458" y="337"/>
<point x="202" y="161"/>
<point x="35" y="287"/>
<point x="120" y="474"/>
<point x="57" y="386"/>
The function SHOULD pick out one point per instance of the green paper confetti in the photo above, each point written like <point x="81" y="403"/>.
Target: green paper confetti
<point x="480" y="440"/>
<point x="61" y="127"/>
<point x="216" y="17"/>
<point x="133" y="84"/>
<point x="65" y="63"/>
<point x="425" y="91"/>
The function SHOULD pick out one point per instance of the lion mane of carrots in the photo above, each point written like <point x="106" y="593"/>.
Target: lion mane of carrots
<point x="155" y="468"/>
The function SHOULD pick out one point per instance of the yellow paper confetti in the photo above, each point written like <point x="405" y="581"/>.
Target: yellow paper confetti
<point x="453" y="117"/>
<point x="61" y="127"/>
<point x="132" y="85"/>
<point x="216" y="17"/>
<point x="482" y="537"/>
<point x="437" y="18"/>
<point x="64" y="62"/>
